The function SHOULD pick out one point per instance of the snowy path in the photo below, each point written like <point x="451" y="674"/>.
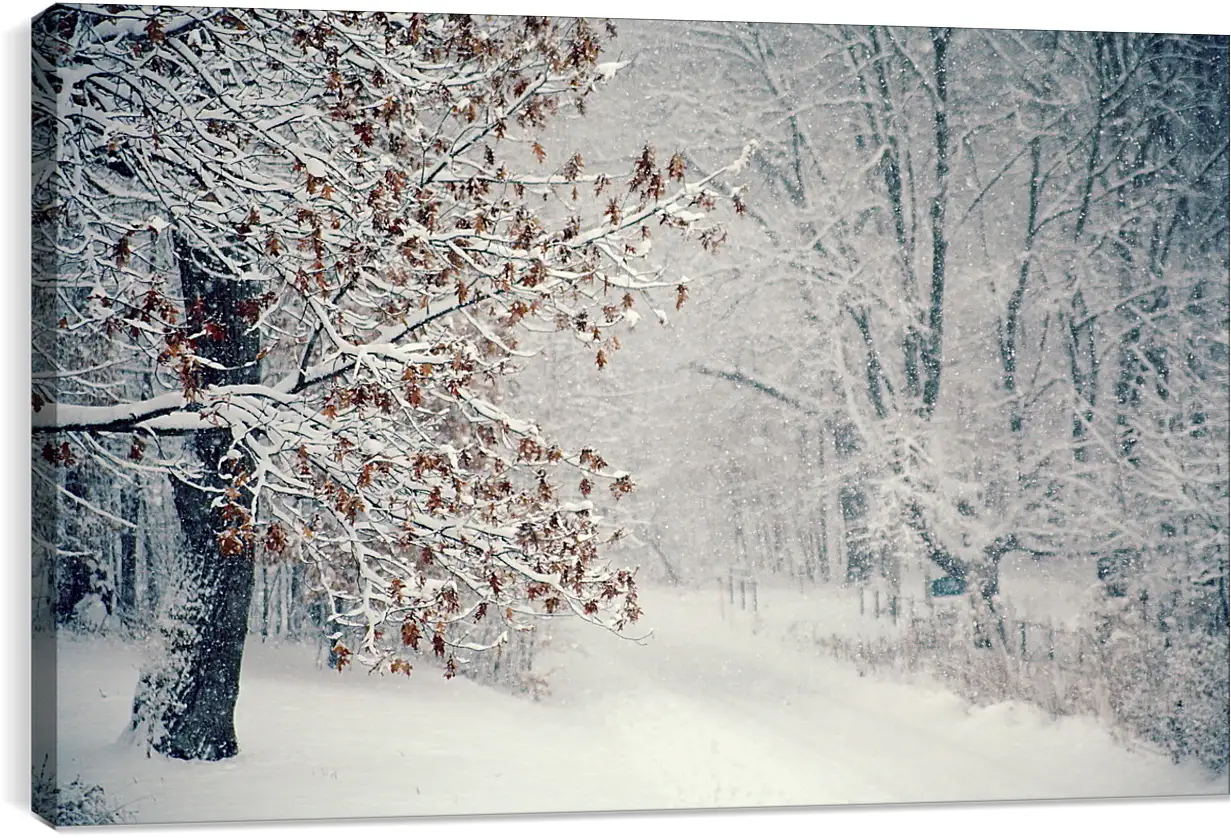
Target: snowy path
<point x="767" y="726"/>
<point x="703" y="714"/>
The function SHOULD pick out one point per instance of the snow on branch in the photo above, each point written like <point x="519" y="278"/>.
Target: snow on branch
<point x="761" y="387"/>
<point x="315" y="240"/>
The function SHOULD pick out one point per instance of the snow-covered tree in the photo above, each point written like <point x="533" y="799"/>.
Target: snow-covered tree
<point x="946" y="228"/>
<point x="284" y="258"/>
<point x="978" y="308"/>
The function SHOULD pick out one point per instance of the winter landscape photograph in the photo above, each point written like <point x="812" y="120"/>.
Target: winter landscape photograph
<point x="456" y="414"/>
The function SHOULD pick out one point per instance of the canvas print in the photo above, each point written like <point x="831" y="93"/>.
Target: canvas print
<point x="458" y="414"/>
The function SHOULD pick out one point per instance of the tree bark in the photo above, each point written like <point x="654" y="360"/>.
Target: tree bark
<point x="933" y="347"/>
<point x="185" y="703"/>
<point x="1013" y="312"/>
<point x="130" y="510"/>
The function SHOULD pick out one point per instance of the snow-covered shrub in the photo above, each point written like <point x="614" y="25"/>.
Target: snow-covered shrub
<point x="75" y="804"/>
<point x="1167" y="686"/>
<point x="1130" y="667"/>
<point x="1198" y="698"/>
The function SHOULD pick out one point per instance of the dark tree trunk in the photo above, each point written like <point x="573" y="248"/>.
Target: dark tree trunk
<point x="1083" y="369"/>
<point x="130" y="510"/>
<point x="72" y="575"/>
<point x="1013" y="312"/>
<point x="185" y="703"/>
<point x="891" y="169"/>
<point x="875" y="374"/>
<point x="196" y="716"/>
<point x="931" y="355"/>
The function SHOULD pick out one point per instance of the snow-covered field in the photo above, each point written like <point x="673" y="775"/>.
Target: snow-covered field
<point x="703" y="713"/>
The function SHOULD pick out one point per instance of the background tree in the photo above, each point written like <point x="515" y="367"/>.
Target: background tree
<point x="950" y="331"/>
<point x="283" y="259"/>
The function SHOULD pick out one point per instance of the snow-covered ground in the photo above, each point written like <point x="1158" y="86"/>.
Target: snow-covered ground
<point x="703" y="713"/>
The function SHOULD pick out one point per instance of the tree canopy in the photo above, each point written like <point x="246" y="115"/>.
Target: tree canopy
<point x="285" y="258"/>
